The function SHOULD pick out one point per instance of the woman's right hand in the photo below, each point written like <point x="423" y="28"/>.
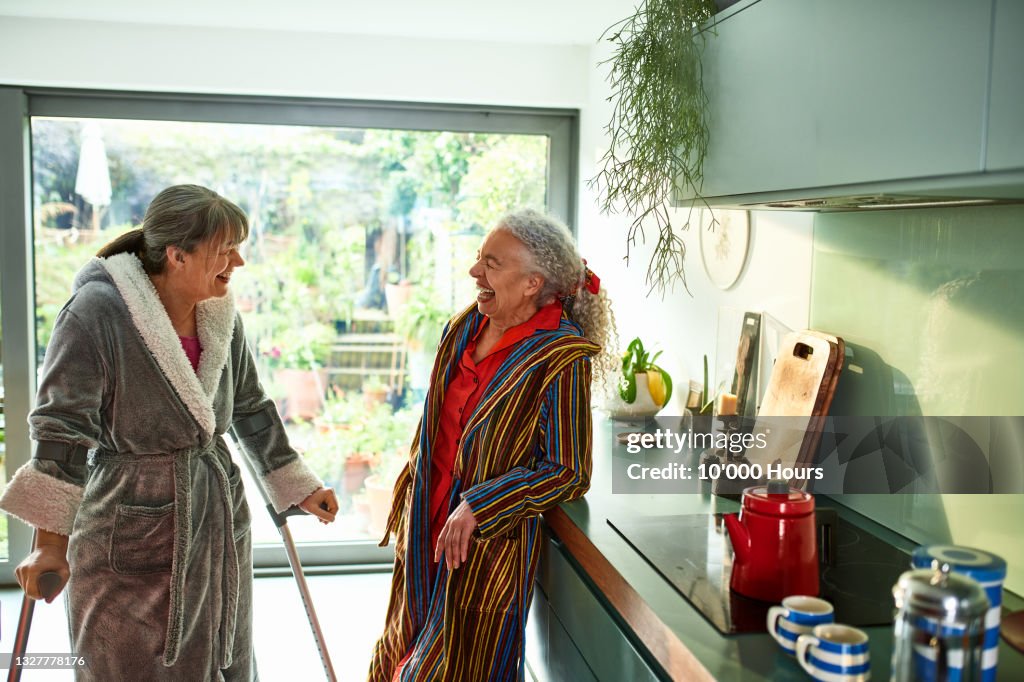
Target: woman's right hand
<point x="43" y="558"/>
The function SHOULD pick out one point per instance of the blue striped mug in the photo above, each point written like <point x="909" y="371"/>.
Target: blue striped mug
<point x="834" y="653"/>
<point x="797" y="615"/>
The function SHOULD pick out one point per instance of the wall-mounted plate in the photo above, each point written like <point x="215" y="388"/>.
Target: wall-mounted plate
<point x="723" y="247"/>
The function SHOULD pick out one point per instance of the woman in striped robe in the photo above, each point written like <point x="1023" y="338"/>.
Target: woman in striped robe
<point x="505" y="434"/>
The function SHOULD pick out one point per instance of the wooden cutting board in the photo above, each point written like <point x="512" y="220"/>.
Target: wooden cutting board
<point x="803" y="381"/>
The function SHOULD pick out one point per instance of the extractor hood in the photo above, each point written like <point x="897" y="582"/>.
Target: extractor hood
<point x="979" y="189"/>
<point x="837" y="106"/>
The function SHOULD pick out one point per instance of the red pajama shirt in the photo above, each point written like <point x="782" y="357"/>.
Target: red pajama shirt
<point x="461" y="398"/>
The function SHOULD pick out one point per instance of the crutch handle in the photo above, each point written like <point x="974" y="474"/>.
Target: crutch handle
<point x="49" y="584"/>
<point x="280" y="518"/>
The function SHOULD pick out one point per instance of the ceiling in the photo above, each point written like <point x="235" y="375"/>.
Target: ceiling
<point x="563" y="22"/>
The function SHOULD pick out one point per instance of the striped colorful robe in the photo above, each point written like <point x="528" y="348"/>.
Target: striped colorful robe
<point x="525" y="448"/>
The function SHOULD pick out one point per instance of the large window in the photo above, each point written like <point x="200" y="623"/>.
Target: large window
<point x="363" y="228"/>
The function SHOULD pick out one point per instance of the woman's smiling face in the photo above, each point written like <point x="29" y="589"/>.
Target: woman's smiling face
<point x="507" y="287"/>
<point x="208" y="268"/>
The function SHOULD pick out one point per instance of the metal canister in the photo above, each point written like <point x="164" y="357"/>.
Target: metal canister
<point x="940" y="627"/>
<point x="990" y="572"/>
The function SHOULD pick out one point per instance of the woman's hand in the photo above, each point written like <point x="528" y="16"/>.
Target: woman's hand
<point x="47" y="556"/>
<point x="321" y="504"/>
<point x="455" y="536"/>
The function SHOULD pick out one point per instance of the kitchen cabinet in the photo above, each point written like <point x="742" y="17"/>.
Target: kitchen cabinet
<point x="807" y="94"/>
<point x="551" y="653"/>
<point x="1006" y="114"/>
<point x="571" y="635"/>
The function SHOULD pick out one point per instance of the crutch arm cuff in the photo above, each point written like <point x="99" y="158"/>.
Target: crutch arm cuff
<point x="63" y="453"/>
<point x="254" y="423"/>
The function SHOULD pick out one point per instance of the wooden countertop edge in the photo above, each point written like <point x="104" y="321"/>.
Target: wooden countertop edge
<point x="660" y="641"/>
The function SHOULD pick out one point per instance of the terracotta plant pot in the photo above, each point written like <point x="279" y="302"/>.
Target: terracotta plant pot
<point x="356" y="471"/>
<point x="378" y="495"/>
<point x="303" y="393"/>
<point x="397" y="297"/>
<point x="375" y="396"/>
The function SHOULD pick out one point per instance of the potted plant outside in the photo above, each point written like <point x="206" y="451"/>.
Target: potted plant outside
<point x="297" y="356"/>
<point x="397" y="296"/>
<point x="396" y="432"/>
<point x="421" y="325"/>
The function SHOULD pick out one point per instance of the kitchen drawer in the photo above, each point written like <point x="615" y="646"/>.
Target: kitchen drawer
<point x="579" y="618"/>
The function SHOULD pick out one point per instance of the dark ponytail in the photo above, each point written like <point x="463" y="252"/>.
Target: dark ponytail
<point x="131" y="241"/>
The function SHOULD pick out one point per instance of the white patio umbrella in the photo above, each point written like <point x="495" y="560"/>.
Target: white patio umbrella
<point x="93" y="180"/>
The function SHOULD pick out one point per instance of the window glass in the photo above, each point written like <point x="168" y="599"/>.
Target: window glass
<point x="358" y="254"/>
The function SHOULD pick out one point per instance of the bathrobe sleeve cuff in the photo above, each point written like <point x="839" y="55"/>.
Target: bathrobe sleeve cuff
<point x="291" y="484"/>
<point x="41" y="499"/>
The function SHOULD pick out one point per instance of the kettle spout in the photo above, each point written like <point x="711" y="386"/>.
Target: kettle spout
<point x="738" y="536"/>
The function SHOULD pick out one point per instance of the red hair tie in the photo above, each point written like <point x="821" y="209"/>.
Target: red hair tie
<point x="591" y="282"/>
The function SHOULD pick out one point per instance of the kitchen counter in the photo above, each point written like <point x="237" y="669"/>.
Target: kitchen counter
<point x="670" y="636"/>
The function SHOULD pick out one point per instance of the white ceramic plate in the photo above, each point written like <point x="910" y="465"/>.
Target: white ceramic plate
<point x="724" y="249"/>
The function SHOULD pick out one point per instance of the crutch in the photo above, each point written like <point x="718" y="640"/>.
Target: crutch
<point x="281" y="521"/>
<point x="49" y="583"/>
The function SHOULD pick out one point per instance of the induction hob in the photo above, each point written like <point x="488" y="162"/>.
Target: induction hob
<point x="692" y="552"/>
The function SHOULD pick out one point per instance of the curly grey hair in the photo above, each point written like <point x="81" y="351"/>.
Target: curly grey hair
<point x="555" y="258"/>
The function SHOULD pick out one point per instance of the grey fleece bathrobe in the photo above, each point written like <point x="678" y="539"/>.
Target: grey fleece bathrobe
<point x="160" y="551"/>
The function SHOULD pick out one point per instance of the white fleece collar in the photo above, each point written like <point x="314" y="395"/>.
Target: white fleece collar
<point x="215" y="320"/>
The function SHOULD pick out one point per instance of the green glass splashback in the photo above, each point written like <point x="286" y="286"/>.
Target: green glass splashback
<point x="936" y="297"/>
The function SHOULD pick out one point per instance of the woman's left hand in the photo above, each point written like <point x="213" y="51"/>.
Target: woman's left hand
<point x="321" y="504"/>
<point x="455" y="537"/>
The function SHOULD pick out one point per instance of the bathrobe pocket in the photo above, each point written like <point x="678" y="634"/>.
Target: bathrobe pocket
<point x="488" y="581"/>
<point x="142" y="540"/>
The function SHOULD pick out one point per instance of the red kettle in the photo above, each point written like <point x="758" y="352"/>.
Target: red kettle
<point x="775" y="543"/>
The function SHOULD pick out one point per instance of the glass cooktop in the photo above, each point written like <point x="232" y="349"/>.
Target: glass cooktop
<point x="692" y="552"/>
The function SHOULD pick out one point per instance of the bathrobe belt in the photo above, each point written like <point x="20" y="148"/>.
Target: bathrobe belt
<point x="182" y="460"/>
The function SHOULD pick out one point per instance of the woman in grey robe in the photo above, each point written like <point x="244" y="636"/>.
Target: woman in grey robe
<point x="132" y="489"/>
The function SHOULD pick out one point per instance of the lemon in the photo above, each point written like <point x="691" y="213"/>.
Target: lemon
<point x="656" y="386"/>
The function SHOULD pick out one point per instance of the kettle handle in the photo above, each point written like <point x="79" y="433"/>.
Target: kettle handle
<point x="774" y="613"/>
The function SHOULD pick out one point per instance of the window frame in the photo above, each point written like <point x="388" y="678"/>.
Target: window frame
<point x="17" y="268"/>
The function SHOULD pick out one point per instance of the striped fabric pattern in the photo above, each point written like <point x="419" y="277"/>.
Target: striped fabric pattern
<point x="989" y="571"/>
<point x="526" y="448"/>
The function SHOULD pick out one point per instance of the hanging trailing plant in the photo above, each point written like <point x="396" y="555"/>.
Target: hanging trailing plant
<point x="658" y="132"/>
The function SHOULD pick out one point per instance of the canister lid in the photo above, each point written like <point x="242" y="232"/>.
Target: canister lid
<point x="977" y="563"/>
<point x="778" y="500"/>
<point x="945" y="597"/>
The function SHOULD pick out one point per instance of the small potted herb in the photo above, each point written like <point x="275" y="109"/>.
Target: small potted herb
<point x="644" y="383"/>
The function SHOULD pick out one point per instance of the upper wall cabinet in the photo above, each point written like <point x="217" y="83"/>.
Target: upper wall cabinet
<point x="1006" y="115"/>
<point x="808" y="94"/>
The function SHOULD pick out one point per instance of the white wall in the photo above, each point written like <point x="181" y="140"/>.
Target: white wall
<point x="92" y="54"/>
